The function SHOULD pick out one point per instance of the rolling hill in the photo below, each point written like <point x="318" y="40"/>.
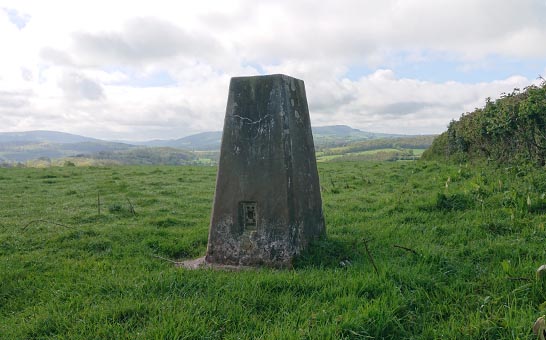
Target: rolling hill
<point x="30" y="145"/>
<point x="339" y="135"/>
<point x="21" y="147"/>
<point x="41" y="136"/>
<point x="204" y="141"/>
<point x="324" y="136"/>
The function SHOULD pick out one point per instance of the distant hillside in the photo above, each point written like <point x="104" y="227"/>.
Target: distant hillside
<point x="28" y="151"/>
<point x="25" y="146"/>
<point x="29" y="137"/>
<point x="146" y="156"/>
<point x="347" y="131"/>
<point x="324" y="136"/>
<point x="337" y="135"/>
<point x="49" y="145"/>
<point x="340" y="130"/>
<point x="204" y="141"/>
<point x="511" y="129"/>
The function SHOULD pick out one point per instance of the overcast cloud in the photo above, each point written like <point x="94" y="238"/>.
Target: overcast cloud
<point x="161" y="69"/>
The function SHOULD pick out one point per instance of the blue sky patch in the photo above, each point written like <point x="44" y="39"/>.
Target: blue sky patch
<point x="486" y="70"/>
<point x="490" y="68"/>
<point x="18" y="19"/>
<point x="439" y="69"/>
<point x="356" y="72"/>
<point x="156" y="79"/>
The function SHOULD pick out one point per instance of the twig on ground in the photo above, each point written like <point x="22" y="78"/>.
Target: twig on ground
<point x="164" y="259"/>
<point x="519" y="278"/>
<point x="370" y="256"/>
<point x="132" y="207"/>
<point x="406" y="249"/>
<point x="46" y="221"/>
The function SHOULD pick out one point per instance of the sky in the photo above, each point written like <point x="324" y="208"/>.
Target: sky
<point x="140" y="70"/>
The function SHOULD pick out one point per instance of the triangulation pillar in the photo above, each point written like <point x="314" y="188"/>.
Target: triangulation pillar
<point x="267" y="205"/>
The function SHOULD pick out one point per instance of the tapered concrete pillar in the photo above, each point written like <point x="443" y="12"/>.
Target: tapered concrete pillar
<point x="267" y="205"/>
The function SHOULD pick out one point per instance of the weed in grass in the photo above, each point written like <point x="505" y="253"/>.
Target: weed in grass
<point x="458" y="201"/>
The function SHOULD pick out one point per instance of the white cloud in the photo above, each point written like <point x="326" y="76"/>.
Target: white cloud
<point x="76" y="87"/>
<point x="72" y="65"/>
<point x="384" y="103"/>
<point x="142" y="40"/>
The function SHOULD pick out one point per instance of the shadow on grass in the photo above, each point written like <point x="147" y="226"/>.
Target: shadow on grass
<point x="327" y="253"/>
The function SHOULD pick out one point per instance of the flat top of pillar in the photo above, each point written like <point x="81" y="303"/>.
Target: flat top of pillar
<point x="266" y="76"/>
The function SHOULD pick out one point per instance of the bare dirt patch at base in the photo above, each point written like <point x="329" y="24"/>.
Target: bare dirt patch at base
<point x="201" y="263"/>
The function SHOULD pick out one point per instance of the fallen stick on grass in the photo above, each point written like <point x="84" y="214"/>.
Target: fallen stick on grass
<point x="519" y="278"/>
<point x="45" y="221"/>
<point x="370" y="256"/>
<point x="165" y="259"/>
<point x="406" y="249"/>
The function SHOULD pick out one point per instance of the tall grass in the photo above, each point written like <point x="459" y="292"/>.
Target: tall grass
<point x="456" y="248"/>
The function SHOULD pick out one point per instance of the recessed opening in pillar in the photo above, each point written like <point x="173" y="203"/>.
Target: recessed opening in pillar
<point x="248" y="212"/>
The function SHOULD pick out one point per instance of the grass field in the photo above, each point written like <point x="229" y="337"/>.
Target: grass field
<point x="455" y="247"/>
<point x="321" y="157"/>
<point x="387" y="154"/>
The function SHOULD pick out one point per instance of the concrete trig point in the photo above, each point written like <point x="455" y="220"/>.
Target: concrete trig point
<point x="267" y="205"/>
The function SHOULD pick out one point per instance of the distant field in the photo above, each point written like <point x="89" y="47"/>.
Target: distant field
<point x="381" y="149"/>
<point x="378" y="154"/>
<point x="455" y="247"/>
